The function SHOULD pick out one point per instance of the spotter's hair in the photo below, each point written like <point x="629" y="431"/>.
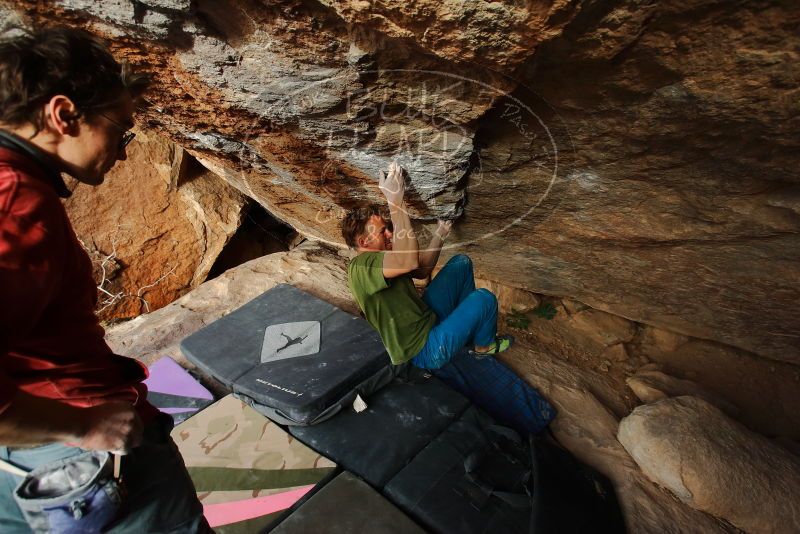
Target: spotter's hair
<point x="37" y="65"/>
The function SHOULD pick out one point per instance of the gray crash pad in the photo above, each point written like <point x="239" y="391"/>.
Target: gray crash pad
<point x="291" y="356"/>
<point x="346" y="505"/>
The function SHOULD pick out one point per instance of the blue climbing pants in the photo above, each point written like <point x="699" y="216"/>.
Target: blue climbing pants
<point x="465" y="316"/>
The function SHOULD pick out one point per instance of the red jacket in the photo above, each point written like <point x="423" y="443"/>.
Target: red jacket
<point x="51" y="342"/>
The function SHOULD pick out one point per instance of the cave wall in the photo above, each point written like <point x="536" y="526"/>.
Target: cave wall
<point x="639" y="156"/>
<point x="678" y="203"/>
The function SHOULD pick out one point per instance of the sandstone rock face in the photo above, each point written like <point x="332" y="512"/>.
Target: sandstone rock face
<point x="652" y="385"/>
<point x="617" y="353"/>
<point x="664" y="340"/>
<point x="714" y="464"/>
<point x="637" y="156"/>
<point x="500" y="35"/>
<point x="603" y="327"/>
<point x="678" y="198"/>
<point x="510" y="299"/>
<point x="761" y="393"/>
<point x="765" y="392"/>
<point x="153" y="234"/>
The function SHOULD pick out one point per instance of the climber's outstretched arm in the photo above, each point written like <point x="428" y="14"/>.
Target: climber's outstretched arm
<point x="430" y="255"/>
<point x="404" y="256"/>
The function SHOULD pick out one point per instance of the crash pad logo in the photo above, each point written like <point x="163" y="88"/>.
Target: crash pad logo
<point x="290" y="340"/>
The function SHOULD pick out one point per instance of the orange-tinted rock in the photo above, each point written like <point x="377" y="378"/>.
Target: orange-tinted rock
<point x="501" y="34"/>
<point x="151" y="238"/>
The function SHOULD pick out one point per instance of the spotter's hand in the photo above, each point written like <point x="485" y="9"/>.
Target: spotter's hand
<point x="111" y="427"/>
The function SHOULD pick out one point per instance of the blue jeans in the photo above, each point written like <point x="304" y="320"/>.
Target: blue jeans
<point x="498" y="390"/>
<point x="464" y="315"/>
<point x="161" y="496"/>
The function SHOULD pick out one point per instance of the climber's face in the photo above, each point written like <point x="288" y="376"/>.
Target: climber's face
<point x="377" y="235"/>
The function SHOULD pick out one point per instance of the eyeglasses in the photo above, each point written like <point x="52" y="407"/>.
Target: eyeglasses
<point x="127" y="136"/>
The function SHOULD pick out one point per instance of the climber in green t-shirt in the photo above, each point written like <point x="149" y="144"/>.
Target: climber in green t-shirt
<point x="451" y="314"/>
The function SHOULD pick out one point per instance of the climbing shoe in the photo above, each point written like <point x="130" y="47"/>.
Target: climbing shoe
<point x="500" y="344"/>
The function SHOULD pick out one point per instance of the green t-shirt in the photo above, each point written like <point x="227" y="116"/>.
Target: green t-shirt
<point x="393" y="307"/>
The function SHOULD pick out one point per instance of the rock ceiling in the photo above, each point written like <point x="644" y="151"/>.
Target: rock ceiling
<point x="636" y="155"/>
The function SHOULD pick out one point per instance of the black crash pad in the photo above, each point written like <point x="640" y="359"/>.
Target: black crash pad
<point x="347" y="505"/>
<point x="437" y="491"/>
<point x="291" y="356"/>
<point x="401" y="419"/>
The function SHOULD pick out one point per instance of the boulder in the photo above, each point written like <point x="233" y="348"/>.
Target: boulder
<point x="602" y="327"/>
<point x="510" y="299"/>
<point x="155" y="226"/>
<point x="587" y="426"/>
<point x="764" y="391"/>
<point x="573" y="306"/>
<point x="663" y="340"/>
<point x="714" y="464"/>
<point x="654" y="385"/>
<point x="616" y="353"/>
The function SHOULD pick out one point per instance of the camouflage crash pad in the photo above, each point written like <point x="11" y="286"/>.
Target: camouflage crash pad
<point x="247" y="471"/>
